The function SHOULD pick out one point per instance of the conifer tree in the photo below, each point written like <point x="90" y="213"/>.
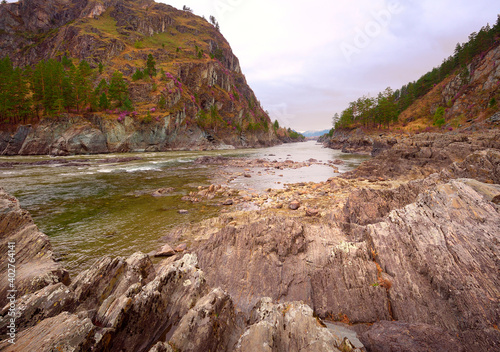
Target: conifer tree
<point x="103" y="101"/>
<point x="150" y="66"/>
<point x="118" y="89"/>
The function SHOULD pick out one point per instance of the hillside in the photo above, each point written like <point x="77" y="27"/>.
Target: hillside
<point x="463" y="100"/>
<point x="464" y="89"/>
<point x="183" y="85"/>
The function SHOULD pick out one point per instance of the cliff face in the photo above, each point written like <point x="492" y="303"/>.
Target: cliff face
<point x="198" y="99"/>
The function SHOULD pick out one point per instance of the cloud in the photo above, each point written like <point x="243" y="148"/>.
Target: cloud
<point x="293" y="52"/>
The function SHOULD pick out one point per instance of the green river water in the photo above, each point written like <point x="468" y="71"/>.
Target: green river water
<point x="98" y="205"/>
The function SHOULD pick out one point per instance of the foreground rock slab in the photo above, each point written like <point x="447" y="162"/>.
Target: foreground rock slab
<point x="32" y="254"/>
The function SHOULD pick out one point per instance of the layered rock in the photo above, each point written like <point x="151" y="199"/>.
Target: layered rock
<point x="424" y="154"/>
<point x="95" y="134"/>
<point x="359" y="142"/>
<point x="32" y="264"/>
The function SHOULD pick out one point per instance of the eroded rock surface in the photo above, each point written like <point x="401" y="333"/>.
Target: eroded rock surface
<point x="32" y="258"/>
<point x="419" y="260"/>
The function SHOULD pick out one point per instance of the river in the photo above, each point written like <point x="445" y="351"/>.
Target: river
<point x="97" y="205"/>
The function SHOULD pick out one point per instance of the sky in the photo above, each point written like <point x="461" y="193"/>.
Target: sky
<point x="306" y="60"/>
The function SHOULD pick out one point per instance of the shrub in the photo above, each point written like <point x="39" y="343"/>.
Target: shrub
<point x="493" y="102"/>
<point x="138" y="74"/>
<point x="439" y="117"/>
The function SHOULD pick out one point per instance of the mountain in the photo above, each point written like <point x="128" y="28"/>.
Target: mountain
<point x="463" y="89"/>
<point x="184" y="85"/>
<point x="314" y="133"/>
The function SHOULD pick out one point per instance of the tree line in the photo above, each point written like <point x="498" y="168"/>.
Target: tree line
<point x="52" y="87"/>
<point x="386" y="108"/>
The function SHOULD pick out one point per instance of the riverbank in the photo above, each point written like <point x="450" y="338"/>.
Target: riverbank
<point x="117" y="204"/>
<point x="405" y="260"/>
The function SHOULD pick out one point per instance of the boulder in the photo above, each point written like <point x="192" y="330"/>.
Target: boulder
<point x="286" y="327"/>
<point x="165" y="251"/>
<point x="209" y="326"/>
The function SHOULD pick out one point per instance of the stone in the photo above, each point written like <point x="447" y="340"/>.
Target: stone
<point x="34" y="262"/>
<point x="181" y="247"/>
<point x="294" y="205"/>
<point x="183" y="211"/>
<point x="312" y="212"/>
<point x="496" y="199"/>
<point x="162" y="192"/>
<point x="281" y="327"/>
<point x="209" y="326"/>
<point x="400" y="336"/>
<point x="111" y="276"/>
<point x="165" y="251"/>
<point x="161" y="347"/>
<point x="45" y="303"/>
<point x="64" y="332"/>
<point x="228" y="202"/>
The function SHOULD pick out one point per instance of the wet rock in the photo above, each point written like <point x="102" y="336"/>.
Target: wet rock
<point x="399" y="336"/>
<point x="212" y="160"/>
<point x="165" y="251"/>
<point x="162" y="192"/>
<point x="294" y="205"/>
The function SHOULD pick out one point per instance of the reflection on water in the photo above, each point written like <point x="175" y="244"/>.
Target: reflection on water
<point x="97" y="205"/>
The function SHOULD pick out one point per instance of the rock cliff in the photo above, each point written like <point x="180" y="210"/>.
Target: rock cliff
<point x="198" y="97"/>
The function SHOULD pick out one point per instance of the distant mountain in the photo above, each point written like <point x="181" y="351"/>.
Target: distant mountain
<point x="314" y="133"/>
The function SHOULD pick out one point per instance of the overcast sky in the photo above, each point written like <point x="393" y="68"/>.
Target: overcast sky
<point x="306" y="60"/>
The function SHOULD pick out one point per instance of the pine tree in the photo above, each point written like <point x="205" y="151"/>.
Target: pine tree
<point x="150" y="66"/>
<point x="103" y="102"/>
<point x="118" y="90"/>
<point x="19" y="95"/>
<point x="6" y="72"/>
<point x="81" y="84"/>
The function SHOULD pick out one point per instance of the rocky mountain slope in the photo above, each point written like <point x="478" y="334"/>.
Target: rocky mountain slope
<point x="465" y="100"/>
<point x="197" y="98"/>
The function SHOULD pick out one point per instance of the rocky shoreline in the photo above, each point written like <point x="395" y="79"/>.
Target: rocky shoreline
<point x="400" y="254"/>
<point x="96" y="134"/>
